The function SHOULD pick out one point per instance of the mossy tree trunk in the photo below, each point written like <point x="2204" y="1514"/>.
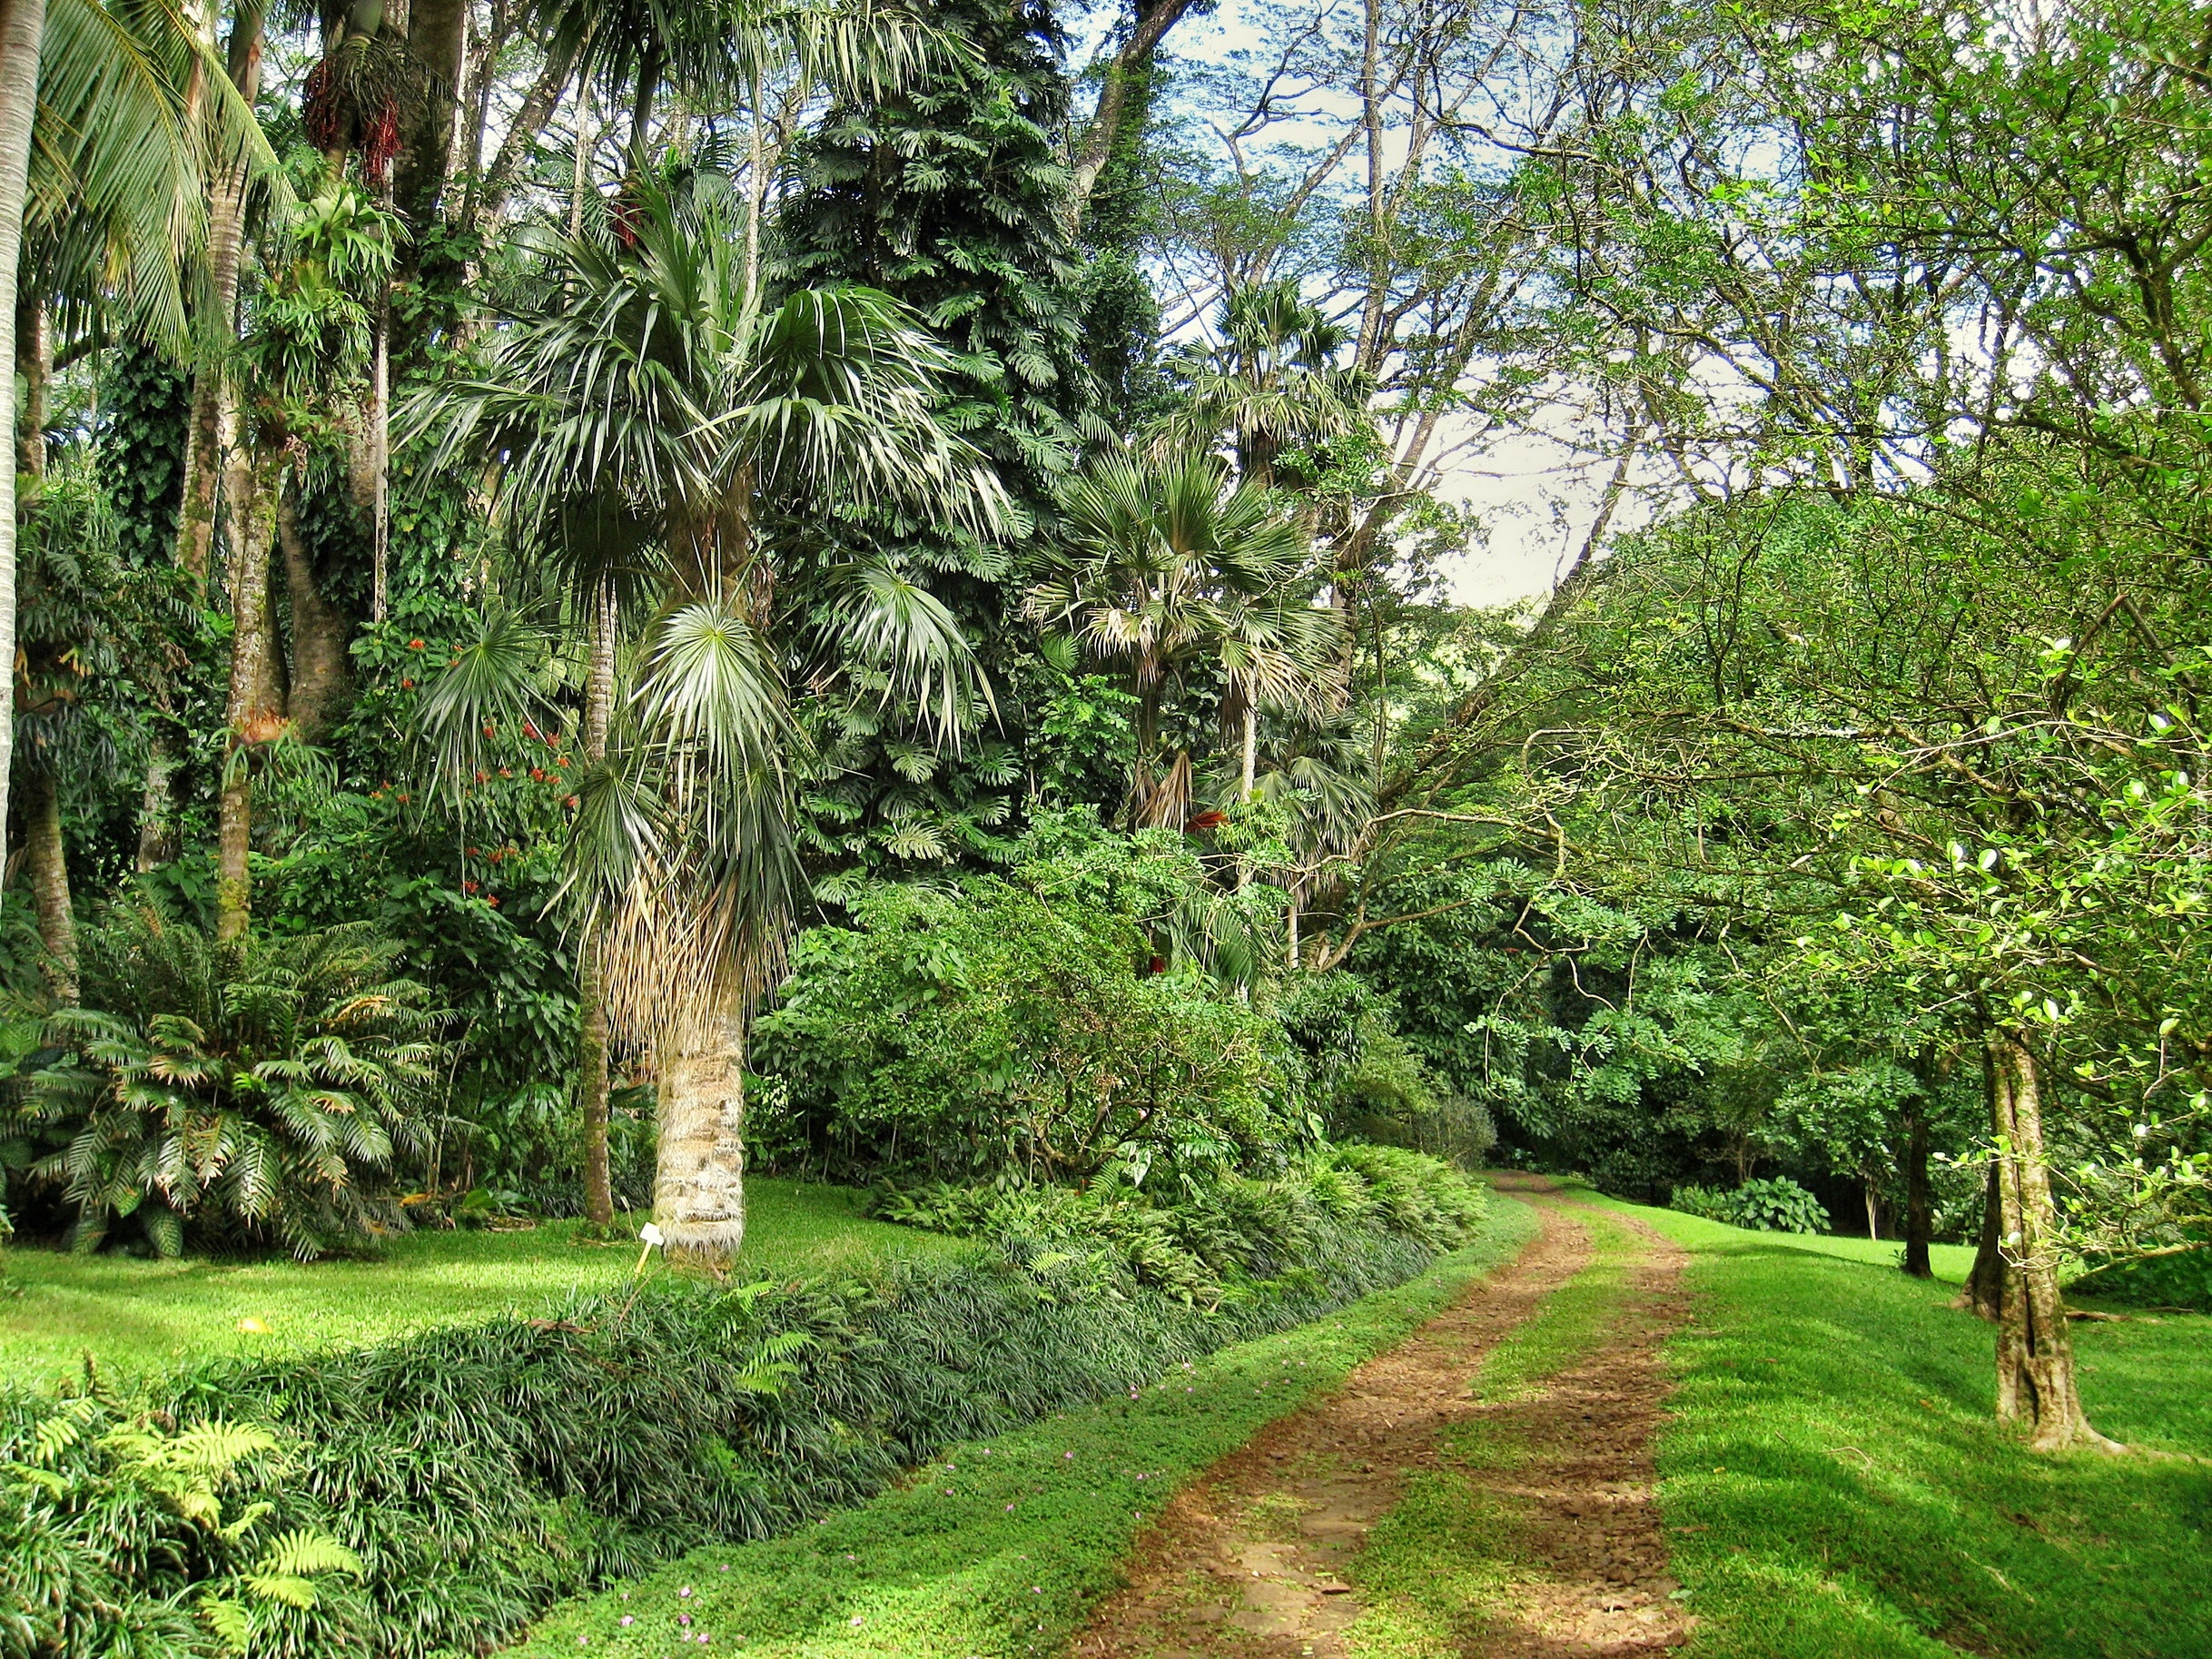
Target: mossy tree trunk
<point x="2036" y="1382"/>
<point x="255" y="476"/>
<point x="322" y="684"/>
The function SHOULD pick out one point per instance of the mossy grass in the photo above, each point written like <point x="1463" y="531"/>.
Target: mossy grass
<point x="1834" y="1482"/>
<point x="135" y="1315"/>
<point x="998" y="1546"/>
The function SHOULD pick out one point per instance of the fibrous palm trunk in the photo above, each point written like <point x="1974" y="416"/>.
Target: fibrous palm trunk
<point x="698" y="1196"/>
<point x="23" y="26"/>
<point x="49" y="876"/>
<point x="254" y="478"/>
<point x="593" y="1083"/>
<point x="2035" y="1384"/>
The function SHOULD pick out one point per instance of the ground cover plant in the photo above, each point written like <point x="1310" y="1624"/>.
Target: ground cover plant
<point x="473" y="1472"/>
<point x="1000" y="1545"/>
<point x="135" y="1315"/>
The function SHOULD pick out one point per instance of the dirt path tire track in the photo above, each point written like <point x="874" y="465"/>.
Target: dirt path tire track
<point x="1248" y="1561"/>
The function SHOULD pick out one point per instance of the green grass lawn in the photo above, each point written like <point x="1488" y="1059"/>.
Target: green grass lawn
<point x="133" y="1314"/>
<point x="1000" y="1547"/>
<point x="1834" y="1484"/>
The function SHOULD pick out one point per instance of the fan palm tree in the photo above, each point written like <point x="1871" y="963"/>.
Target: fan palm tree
<point x="1170" y="570"/>
<point x="657" y="431"/>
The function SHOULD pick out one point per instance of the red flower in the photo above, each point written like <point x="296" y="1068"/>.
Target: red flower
<point x="414" y="644"/>
<point x="407" y="685"/>
<point x="468" y="886"/>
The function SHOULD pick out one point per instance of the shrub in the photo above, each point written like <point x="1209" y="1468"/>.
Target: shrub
<point x="993" y="1026"/>
<point x="477" y="1473"/>
<point x="246" y="1094"/>
<point x="1776" y="1206"/>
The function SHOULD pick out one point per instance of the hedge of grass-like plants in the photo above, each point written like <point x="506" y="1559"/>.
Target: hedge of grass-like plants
<point x="423" y="1498"/>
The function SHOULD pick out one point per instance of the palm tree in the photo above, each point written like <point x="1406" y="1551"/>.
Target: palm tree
<point x="657" y="429"/>
<point x="1269" y="386"/>
<point x="1172" y="569"/>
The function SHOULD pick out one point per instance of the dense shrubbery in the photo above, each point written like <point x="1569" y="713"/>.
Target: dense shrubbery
<point x="474" y="1474"/>
<point x="1775" y="1206"/>
<point x="998" y="1024"/>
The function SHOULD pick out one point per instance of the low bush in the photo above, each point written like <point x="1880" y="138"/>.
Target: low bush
<point x="1775" y="1206"/>
<point x="421" y="1498"/>
<point x="1208" y="1245"/>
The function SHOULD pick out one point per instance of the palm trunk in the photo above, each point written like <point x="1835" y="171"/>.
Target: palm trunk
<point x="593" y="1082"/>
<point x="49" y="876"/>
<point x="2036" y="1384"/>
<point x="254" y="478"/>
<point x="698" y="1196"/>
<point x="23" y="26"/>
<point x="322" y="665"/>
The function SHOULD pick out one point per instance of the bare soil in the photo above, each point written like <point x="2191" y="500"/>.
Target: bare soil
<point x="1251" y="1560"/>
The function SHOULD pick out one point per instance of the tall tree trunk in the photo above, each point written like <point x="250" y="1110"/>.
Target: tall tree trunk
<point x="23" y="26"/>
<point x="1119" y="94"/>
<point x="1919" y="1207"/>
<point x="698" y="1191"/>
<point x="436" y="32"/>
<point x="48" y="871"/>
<point x="226" y="222"/>
<point x="1873" y="1221"/>
<point x="2035" y="1384"/>
<point x="322" y="665"/>
<point x="255" y="476"/>
<point x="592" y="1079"/>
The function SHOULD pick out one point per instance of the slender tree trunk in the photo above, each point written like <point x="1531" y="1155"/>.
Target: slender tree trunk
<point x="2035" y="1384"/>
<point x="321" y="664"/>
<point x="699" y="1197"/>
<point x="1920" y="1209"/>
<point x="1873" y="1224"/>
<point x="23" y="26"/>
<point x="255" y="476"/>
<point x="48" y="871"/>
<point x="538" y="106"/>
<point x="593" y="1082"/>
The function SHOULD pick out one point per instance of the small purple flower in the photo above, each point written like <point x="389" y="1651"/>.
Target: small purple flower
<point x="627" y="1621"/>
<point x="684" y="1591"/>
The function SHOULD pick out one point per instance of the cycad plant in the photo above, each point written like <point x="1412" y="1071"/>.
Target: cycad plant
<point x="247" y="1094"/>
<point x="1174" y="573"/>
<point x="661" y="432"/>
